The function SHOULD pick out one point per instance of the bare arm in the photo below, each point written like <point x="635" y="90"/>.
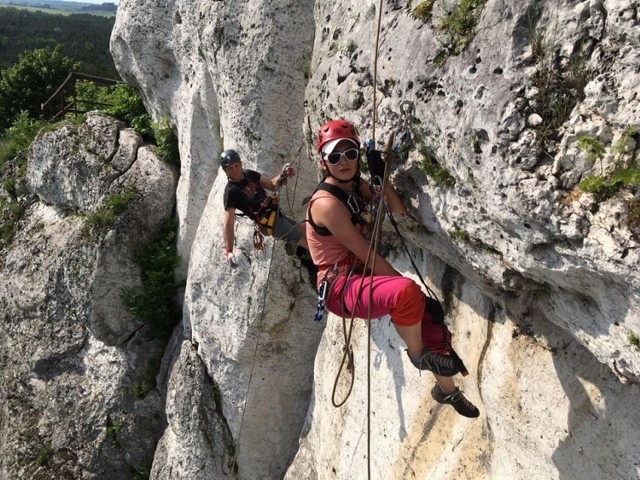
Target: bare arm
<point x="332" y="214"/>
<point x="394" y="202"/>
<point x="227" y="232"/>
<point x="268" y="184"/>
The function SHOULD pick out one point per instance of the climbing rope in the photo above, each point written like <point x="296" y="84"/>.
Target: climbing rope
<point x="233" y="457"/>
<point x="258" y="240"/>
<point x="369" y="263"/>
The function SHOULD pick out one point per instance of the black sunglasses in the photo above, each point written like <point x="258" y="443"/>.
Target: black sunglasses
<point x="336" y="157"/>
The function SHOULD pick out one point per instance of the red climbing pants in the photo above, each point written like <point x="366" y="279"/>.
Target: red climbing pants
<point x="397" y="296"/>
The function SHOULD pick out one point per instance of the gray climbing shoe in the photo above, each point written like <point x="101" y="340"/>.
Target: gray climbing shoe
<point x="457" y="400"/>
<point x="437" y="363"/>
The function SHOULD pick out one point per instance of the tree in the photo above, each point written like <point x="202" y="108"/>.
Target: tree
<point x="31" y="81"/>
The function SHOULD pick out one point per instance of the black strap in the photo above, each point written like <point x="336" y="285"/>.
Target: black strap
<point x="351" y="202"/>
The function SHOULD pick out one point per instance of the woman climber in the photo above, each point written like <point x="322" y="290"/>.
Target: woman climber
<point x="336" y="224"/>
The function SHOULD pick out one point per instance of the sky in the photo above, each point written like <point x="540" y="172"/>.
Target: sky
<point x="99" y="2"/>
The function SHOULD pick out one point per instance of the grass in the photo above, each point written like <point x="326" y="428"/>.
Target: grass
<point x="44" y="455"/>
<point x="625" y="173"/>
<point x="100" y="221"/>
<point x="154" y="304"/>
<point x="432" y="169"/>
<point x="423" y="11"/>
<point x="559" y="88"/>
<point x="634" y="340"/>
<point x="459" y="27"/>
<point x="350" y="49"/>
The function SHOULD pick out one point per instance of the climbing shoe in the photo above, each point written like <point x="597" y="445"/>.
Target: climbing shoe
<point x="435" y="362"/>
<point x="457" y="400"/>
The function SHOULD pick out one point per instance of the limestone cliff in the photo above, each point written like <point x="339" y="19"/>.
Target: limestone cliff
<point x="74" y="359"/>
<point x="539" y="277"/>
<point x="509" y="107"/>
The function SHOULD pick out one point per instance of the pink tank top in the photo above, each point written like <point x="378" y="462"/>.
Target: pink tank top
<point x="327" y="251"/>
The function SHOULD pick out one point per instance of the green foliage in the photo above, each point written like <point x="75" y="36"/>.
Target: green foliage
<point x="555" y="101"/>
<point x="432" y="168"/>
<point x="140" y="391"/>
<point x="623" y="177"/>
<point x="634" y="340"/>
<point x="633" y="219"/>
<point x="460" y="235"/>
<point x="537" y="39"/>
<point x="111" y="432"/>
<point x="560" y="84"/>
<point x="604" y="187"/>
<point x="577" y="76"/>
<point x="622" y="147"/>
<point x="598" y="186"/>
<point x="84" y="38"/>
<point x="459" y="26"/>
<point x="127" y="105"/>
<point x="154" y="306"/>
<point x="591" y="145"/>
<point x="148" y="382"/>
<point x="423" y="11"/>
<point x="32" y="80"/>
<point x="350" y="49"/>
<point x="99" y="222"/>
<point x="594" y="148"/>
<point x="141" y="473"/>
<point x="18" y="136"/>
<point x="166" y="142"/>
<point x="93" y="96"/>
<point x="44" y="455"/>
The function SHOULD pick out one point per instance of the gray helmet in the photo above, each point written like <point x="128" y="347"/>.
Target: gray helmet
<point x="228" y="157"/>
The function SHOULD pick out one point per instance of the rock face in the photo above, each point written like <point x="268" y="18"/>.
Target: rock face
<point x="520" y="161"/>
<point x="72" y="355"/>
<point x="508" y="107"/>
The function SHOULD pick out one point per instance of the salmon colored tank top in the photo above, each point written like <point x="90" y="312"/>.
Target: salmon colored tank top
<point x="327" y="251"/>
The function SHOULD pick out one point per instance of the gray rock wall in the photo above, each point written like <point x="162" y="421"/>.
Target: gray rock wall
<point x="73" y="357"/>
<point x="540" y="278"/>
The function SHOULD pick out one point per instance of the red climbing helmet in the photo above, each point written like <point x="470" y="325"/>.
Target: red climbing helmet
<point x="336" y="129"/>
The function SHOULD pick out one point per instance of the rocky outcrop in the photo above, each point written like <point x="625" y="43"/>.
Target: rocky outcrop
<point x="73" y="358"/>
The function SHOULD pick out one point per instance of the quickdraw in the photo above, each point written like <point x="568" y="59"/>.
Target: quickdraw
<point x="322" y="297"/>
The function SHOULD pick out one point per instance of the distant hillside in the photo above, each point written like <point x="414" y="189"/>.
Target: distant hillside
<point x="83" y="37"/>
<point x="62" y="5"/>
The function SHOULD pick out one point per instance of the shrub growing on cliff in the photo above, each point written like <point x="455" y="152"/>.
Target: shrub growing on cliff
<point x="626" y="173"/>
<point x="104" y="217"/>
<point x="166" y="142"/>
<point x="128" y="106"/>
<point x="459" y="27"/>
<point x="18" y="136"/>
<point x="154" y="305"/>
<point x="423" y="11"/>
